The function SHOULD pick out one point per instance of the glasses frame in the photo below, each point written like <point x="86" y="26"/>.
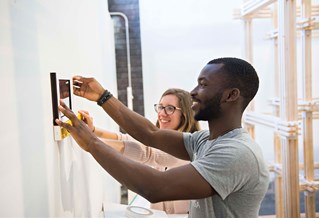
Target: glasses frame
<point x="164" y="108"/>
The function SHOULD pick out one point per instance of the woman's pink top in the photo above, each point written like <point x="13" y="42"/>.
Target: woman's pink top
<point x="159" y="160"/>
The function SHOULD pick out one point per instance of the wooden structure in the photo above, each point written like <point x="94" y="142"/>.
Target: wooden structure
<point x="291" y="117"/>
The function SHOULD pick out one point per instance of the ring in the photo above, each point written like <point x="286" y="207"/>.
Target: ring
<point x="137" y="212"/>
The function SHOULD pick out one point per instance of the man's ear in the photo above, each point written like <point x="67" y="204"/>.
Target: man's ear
<point x="232" y="94"/>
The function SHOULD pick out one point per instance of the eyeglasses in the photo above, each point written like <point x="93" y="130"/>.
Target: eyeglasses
<point x="169" y="109"/>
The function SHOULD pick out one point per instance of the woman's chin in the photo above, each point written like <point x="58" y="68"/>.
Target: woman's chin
<point x="165" y="126"/>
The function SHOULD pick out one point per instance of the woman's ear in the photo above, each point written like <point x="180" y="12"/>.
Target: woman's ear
<point x="232" y="94"/>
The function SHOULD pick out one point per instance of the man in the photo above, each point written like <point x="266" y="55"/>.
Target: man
<point x="227" y="176"/>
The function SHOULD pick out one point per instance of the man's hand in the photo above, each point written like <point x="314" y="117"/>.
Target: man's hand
<point x="87" y="88"/>
<point x="79" y="130"/>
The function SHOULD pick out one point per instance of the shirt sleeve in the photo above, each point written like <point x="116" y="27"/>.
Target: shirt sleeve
<point x="192" y="140"/>
<point x="228" y="167"/>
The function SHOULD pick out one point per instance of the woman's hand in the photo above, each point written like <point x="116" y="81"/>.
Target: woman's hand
<point x="87" y="119"/>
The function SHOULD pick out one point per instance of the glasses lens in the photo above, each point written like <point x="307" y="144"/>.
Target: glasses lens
<point x="169" y="109"/>
<point x="158" y="108"/>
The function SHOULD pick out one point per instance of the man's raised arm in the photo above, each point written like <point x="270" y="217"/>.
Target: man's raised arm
<point x="134" y="124"/>
<point x="154" y="185"/>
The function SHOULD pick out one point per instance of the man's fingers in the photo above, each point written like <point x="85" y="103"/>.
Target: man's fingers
<point x="76" y="91"/>
<point x="77" y="87"/>
<point x="67" y="112"/>
<point x="77" y="77"/>
<point x="64" y="106"/>
<point x="77" y="84"/>
<point x="80" y="79"/>
<point x="64" y="125"/>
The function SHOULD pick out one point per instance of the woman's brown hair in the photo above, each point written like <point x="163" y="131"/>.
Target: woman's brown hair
<point x="188" y="123"/>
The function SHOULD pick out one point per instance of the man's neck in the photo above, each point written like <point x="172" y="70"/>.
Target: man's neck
<point x="219" y="128"/>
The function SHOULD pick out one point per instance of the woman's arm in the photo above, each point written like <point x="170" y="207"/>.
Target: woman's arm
<point x="101" y="133"/>
<point x="151" y="156"/>
<point x="131" y="148"/>
<point x="116" y="144"/>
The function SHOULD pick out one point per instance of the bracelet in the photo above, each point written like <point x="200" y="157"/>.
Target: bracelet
<point x="104" y="97"/>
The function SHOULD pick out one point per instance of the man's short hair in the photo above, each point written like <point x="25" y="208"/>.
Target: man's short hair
<point x="240" y="74"/>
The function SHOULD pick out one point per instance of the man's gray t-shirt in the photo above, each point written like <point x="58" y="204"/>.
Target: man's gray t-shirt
<point x="233" y="165"/>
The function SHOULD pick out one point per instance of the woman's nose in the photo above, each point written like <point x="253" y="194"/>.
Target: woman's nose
<point x="162" y="112"/>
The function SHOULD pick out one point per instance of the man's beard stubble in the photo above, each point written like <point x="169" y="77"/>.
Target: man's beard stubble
<point x="211" y="110"/>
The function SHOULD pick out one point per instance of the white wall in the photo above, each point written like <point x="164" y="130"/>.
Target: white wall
<point x="179" y="37"/>
<point x="38" y="176"/>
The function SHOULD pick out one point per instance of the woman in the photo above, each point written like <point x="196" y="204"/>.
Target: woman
<point x="173" y="112"/>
